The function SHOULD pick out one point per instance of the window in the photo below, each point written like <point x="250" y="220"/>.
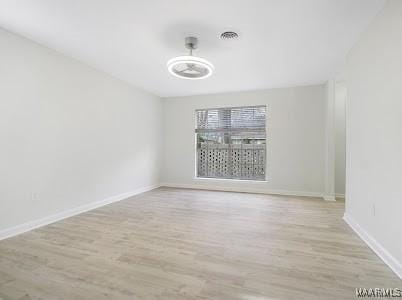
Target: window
<point x="231" y="143"/>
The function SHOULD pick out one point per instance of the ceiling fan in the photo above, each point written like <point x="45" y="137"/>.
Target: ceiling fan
<point x="190" y="66"/>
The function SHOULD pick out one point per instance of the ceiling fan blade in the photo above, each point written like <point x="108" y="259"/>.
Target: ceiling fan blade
<point x="183" y="71"/>
<point x="198" y="69"/>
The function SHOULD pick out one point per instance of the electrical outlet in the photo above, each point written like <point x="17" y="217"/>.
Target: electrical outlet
<point x="34" y="196"/>
<point x="373" y="209"/>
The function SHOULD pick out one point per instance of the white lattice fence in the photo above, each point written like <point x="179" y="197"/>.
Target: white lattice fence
<point x="243" y="161"/>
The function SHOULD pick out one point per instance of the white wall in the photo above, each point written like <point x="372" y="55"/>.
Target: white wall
<point x="69" y="134"/>
<point x="340" y="138"/>
<point x="374" y="132"/>
<point x="295" y="130"/>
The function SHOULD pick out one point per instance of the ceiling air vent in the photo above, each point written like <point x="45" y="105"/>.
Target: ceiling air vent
<point x="227" y="35"/>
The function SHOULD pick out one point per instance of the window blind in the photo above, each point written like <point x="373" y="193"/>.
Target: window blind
<point x="251" y="118"/>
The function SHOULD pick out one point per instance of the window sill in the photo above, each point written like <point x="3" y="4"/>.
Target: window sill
<point x="230" y="180"/>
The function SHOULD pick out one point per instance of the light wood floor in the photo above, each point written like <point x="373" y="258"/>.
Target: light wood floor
<point x="190" y="244"/>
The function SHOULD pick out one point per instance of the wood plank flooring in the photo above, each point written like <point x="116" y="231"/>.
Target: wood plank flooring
<point x="192" y="244"/>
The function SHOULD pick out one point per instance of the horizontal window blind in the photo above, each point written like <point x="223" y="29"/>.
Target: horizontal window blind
<point x="250" y="118"/>
<point x="231" y="142"/>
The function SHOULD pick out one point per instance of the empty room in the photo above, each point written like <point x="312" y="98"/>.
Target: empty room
<point x="185" y="149"/>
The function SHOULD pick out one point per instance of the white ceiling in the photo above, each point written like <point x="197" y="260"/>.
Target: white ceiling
<point x="282" y="42"/>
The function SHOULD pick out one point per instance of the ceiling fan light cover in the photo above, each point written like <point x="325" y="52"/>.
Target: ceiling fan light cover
<point x="190" y="67"/>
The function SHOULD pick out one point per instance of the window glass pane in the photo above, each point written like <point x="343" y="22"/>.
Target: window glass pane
<point x="231" y="143"/>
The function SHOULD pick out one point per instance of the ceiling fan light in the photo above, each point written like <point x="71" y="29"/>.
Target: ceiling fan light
<point x="190" y="67"/>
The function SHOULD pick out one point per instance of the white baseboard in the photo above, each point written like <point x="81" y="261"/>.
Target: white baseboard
<point x="242" y="189"/>
<point x="382" y="253"/>
<point x="9" y="232"/>
<point x="341" y="196"/>
<point x="329" y="197"/>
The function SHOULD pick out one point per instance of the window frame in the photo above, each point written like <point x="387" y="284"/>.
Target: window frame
<point x="196" y="164"/>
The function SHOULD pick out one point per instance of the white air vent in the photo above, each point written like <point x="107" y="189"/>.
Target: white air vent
<point x="227" y="35"/>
